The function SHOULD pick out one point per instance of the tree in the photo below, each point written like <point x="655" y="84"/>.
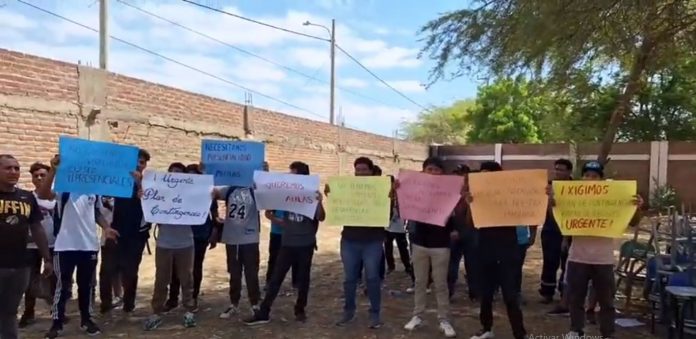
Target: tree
<point x="441" y="125"/>
<point x="555" y="39"/>
<point x="510" y="111"/>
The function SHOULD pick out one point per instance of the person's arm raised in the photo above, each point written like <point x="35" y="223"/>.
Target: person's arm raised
<point x="45" y="190"/>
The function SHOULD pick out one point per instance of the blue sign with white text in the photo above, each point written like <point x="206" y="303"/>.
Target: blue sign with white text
<point x="95" y="167"/>
<point x="232" y="163"/>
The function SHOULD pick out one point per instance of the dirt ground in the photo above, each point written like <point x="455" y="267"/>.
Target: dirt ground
<point x="325" y="305"/>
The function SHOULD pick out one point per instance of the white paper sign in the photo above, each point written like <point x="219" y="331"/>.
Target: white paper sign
<point x="176" y="198"/>
<point x="286" y="192"/>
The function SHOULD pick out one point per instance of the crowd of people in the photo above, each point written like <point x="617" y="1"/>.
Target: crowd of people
<point x="59" y="233"/>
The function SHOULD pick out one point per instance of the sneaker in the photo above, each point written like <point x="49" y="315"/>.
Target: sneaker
<point x="574" y="335"/>
<point x="429" y="290"/>
<point x="375" y="323"/>
<point x="414" y="323"/>
<point x="345" y="319"/>
<point x="189" y="320"/>
<point x="152" y="323"/>
<point x="25" y="320"/>
<point x="410" y="290"/>
<point x="117" y="302"/>
<point x="559" y="310"/>
<point x="90" y="328"/>
<point x="229" y="312"/>
<point x="54" y="332"/>
<point x="483" y="334"/>
<point x="300" y="316"/>
<point x="447" y="329"/>
<point x="257" y="319"/>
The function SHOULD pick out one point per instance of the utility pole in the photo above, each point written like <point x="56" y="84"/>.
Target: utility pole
<point x="333" y="71"/>
<point x="103" y="34"/>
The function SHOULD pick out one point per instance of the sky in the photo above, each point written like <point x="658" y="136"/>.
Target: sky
<point x="284" y="72"/>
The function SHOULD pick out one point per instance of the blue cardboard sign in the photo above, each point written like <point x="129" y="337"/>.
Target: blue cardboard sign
<point x="232" y="163"/>
<point x="95" y="167"/>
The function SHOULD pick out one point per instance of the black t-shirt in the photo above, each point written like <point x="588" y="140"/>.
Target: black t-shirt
<point x="362" y="233"/>
<point x="433" y="236"/>
<point x="18" y="210"/>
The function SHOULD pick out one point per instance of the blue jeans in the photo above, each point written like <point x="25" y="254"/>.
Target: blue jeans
<point x="355" y="255"/>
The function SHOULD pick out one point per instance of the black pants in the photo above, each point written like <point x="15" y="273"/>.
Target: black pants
<point x="108" y="269"/>
<point x="552" y="260"/>
<point x="602" y="278"/>
<point x="520" y="272"/>
<point x="273" y="251"/>
<point x="402" y="245"/>
<point x="200" y="247"/>
<point x="65" y="263"/>
<point x="129" y="253"/>
<point x="499" y="268"/>
<point x="243" y="259"/>
<point x="299" y="258"/>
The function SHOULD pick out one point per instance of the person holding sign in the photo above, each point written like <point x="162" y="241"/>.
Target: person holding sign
<point x="500" y="263"/>
<point x="362" y="246"/>
<point x="240" y="233"/>
<point x="174" y="255"/>
<point x="431" y="250"/>
<point x="76" y="248"/>
<point x="20" y="214"/>
<point x="129" y="221"/>
<point x="397" y="232"/>
<point x="297" y="247"/>
<point x="591" y="259"/>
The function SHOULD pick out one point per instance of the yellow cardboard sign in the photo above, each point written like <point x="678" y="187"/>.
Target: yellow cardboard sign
<point x="358" y="201"/>
<point x="594" y="208"/>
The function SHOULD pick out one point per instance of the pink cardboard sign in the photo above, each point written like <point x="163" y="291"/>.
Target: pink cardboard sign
<point x="428" y="198"/>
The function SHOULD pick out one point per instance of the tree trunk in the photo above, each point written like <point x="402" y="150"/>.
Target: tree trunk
<point x="624" y="101"/>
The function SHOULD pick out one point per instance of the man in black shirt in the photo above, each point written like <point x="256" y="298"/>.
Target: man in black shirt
<point x="500" y="262"/>
<point x="19" y="213"/>
<point x="431" y="250"/>
<point x="362" y="247"/>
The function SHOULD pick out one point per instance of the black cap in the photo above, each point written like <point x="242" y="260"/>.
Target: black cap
<point x="462" y="169"/>
<point x="593" y="166"/>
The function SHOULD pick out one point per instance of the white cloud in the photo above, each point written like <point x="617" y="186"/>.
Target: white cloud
<point x="49" y="37"/>
<point x="408" y="86"/>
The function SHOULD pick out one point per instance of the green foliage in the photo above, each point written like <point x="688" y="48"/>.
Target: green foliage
<point x="441" y="125"/>
<point x="663" y="197"/>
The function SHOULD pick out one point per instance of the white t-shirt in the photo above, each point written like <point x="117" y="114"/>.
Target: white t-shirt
<point x="108" y="217"/>
<point x="47" y="208"/>
<point x="78" y="228"/>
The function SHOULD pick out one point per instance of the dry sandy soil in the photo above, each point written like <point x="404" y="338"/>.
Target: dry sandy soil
<point x="324" y="308"/>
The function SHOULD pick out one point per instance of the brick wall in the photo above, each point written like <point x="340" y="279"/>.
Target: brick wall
<point x="41" y="99"/>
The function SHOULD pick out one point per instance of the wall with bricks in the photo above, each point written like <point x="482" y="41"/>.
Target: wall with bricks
<point x="41" y="99"/>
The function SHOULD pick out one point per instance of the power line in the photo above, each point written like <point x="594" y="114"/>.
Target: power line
<point x="172" y="60"/>
<point x="255" y="21"/>
<point x="380" y="79"/>
<point x="290" y="69"/>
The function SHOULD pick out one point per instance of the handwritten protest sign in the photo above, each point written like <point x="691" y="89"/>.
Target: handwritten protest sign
<point x="94" y="167"/>
<point x="176" y="198"/>
<point x="428" y="198"/>
<point x="287" y="192"/>
<point x="232" y="162"/>
<point x="508" y="198"/>
<point x="596" y="208"/>
<point x="358" y="201"/>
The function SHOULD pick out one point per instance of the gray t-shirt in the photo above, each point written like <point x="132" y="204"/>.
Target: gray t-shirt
<point x="242" y="222"/>
<point x="174" y="236"/>
<point x="396" y="224"/>
<point x="299" y="230"/>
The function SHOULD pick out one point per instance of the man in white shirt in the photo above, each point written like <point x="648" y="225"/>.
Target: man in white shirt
<point x="76" y="248"/>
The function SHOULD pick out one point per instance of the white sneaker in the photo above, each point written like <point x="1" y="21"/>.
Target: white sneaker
<point x="414" y="323"/>
<point x="573" y="335"/>
<point x="447" y="329"/>
<point x="410" y="290"/>
<point x="254" y="309"/>
<point x="483" y="335"/>
<point x="229" y="312"/>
